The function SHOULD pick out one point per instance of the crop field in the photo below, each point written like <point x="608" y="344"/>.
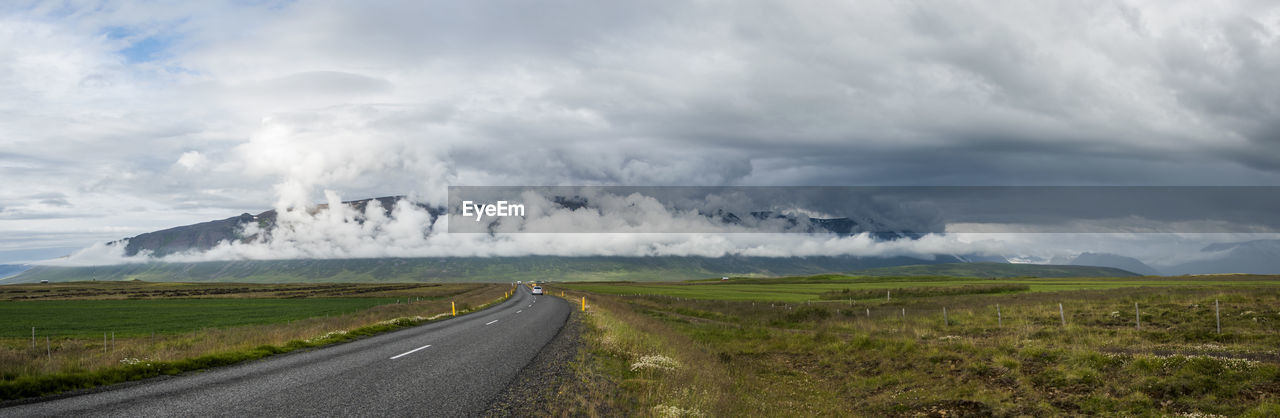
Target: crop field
<point x="128" y="309"/>
<point x="134" y="290"/>
<point x="129" y="318"/>
<point x="1194" y="346"/>
<point x="813" y="288"/>
<point x="95" y="333"/>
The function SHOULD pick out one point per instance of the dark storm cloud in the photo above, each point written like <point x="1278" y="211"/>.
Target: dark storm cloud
<point x="245" y="105"/>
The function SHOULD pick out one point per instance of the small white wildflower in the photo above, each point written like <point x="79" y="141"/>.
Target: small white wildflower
<point x="655" y="361"/>
<point x="404" y="320"/>
<point x="145" y="362"/>
<point x="328" y="335"/>
<point x="675" y="411"/>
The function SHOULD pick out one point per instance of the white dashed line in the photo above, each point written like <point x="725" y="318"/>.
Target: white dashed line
<point x="519" y="311"/>
<point x="409" y="352"/>
<point x="491" y="322"/>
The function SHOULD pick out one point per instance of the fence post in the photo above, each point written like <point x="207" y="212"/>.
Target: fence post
<point x="1217" y="315"/>
<point x="945" y="321"/>
<point x="999" y="319"/>
<point x="868" y="313"/>
<point x="886" y="296"/>
<point x="33" y="338"/>
<point x="1137" y="314"/>
<point x="48" y="350"/>
<point x="1062" y="314"/>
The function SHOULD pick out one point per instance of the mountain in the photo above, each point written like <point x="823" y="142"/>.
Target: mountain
<point x="7" y="270"/>
<point x="995" y="270"/>
<point x="473" y="269"/>
<point x="206" y="235"/>
<point x="1115" y="261"/>
<point x="1254" y="257"/>
<point x="247" y="227"/>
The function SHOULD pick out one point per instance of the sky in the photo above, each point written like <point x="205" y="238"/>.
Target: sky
<point x="123" y="117"/>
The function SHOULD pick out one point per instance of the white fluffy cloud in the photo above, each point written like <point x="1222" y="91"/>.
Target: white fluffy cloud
<point x="146" y="115"/>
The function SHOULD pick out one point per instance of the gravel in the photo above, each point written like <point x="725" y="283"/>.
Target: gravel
<point x="533" y="391"/>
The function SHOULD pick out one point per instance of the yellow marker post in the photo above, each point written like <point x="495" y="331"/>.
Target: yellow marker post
<point x="584" y="303"/>
<point x="454" y="307"/>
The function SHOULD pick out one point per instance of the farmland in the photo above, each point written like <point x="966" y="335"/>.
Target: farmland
<point x="128" y="318"/>
<point x="93" y="333"/>
<point x="947" y="346"/>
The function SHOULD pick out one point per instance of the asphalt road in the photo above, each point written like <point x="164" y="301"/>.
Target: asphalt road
<point x="446" y="368"/>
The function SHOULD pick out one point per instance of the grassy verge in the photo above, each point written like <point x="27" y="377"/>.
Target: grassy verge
<point x="65" y="364"/>
<point x="901" y="358"/>
<point x="630" y="366"/>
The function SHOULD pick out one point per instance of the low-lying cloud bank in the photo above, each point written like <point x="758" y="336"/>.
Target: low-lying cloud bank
<point x="409" y="229"/>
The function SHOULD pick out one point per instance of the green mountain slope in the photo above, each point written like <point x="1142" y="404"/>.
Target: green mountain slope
<point x="995" y="270"/>
<point x="479" y="269"/>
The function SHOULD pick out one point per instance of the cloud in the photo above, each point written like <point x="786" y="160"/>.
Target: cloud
<point x="156" y="115"/>
<point x="193" y="161"/>
<point x="409" y="230"/>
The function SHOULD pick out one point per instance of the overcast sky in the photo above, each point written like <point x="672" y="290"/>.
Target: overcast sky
<point x="122" y="117"/>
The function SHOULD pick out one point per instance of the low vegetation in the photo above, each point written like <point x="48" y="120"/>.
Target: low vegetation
<point x="507" y="269"/>
<point x="156" y="335"/>
<point x="914" y="292"/>
<point x="811" y="288"/>
<point x="135" y="289"/>
<point x="988" y="354"/>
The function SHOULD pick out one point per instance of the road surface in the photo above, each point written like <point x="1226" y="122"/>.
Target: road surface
<point x="446" y="368"/>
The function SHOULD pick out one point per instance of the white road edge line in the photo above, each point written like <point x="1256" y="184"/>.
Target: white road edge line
<point x="491" y="322"/>
<point x="408" y="352"/>
<point x="519" y="311"/>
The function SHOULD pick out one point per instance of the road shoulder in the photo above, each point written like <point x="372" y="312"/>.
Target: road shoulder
<point x="536" y="389"/>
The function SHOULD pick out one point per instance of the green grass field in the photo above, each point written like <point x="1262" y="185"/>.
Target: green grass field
<point x="765" y="347"/>
<point x="810" y="288"/>
<point x="89" y="318"/>
<point x="155" y="329"/>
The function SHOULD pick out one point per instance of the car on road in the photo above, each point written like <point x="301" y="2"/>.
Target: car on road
<point x="537" y="290"/>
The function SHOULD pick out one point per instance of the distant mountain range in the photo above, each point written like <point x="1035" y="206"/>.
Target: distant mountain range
<point x="206" y="235"/>
<point x="1251" y="257"/>
<point x="471" y="269"/>
<point x="1109" y="260"/>
<point x="1255" y="257"/>
<point x="542" y="268"/>
<point x="1261" y="257"/>
<point x="7" y="270"/>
